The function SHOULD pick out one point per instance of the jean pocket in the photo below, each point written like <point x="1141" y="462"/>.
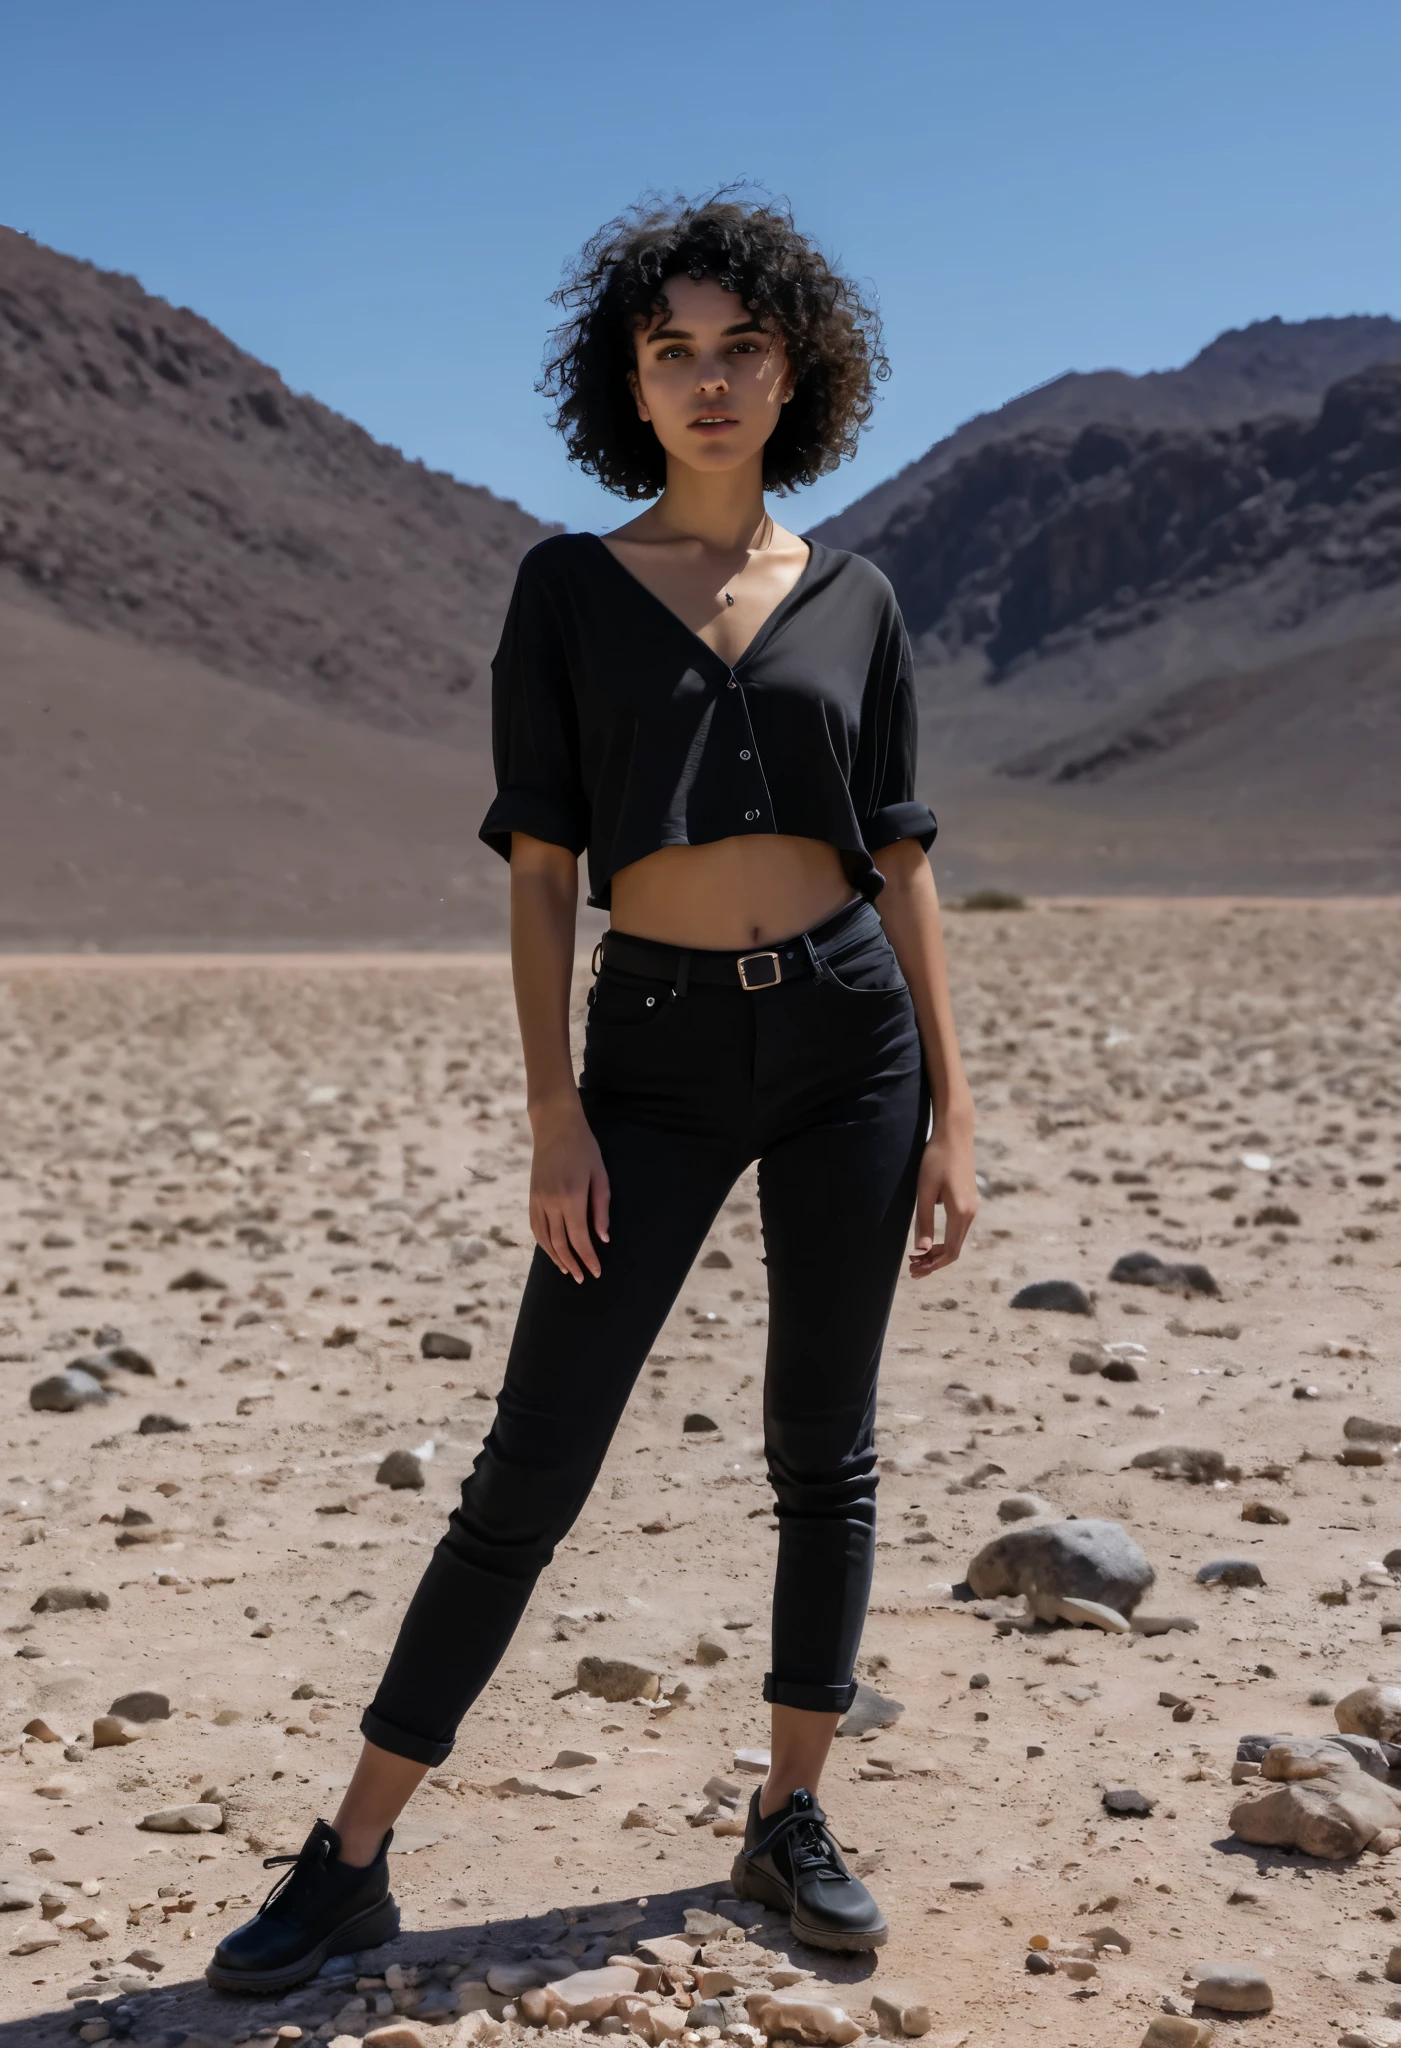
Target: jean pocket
<point x="870" y="969"/>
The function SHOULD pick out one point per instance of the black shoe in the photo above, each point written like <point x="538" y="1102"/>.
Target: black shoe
<point x="789" y="1860"/>
<point x="321" y="1908"/>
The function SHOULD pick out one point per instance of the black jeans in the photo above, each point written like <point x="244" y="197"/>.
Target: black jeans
<point x="684" y="1084"/>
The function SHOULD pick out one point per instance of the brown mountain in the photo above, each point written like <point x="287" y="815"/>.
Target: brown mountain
<point x="158" y="484"/>
<point x="1271" y="366"/>
<point x="242" y="645"/>
<point x="1030" y="544"/>
<point x="1190" y="639"/>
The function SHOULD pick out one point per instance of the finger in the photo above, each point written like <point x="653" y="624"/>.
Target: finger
<point x="955" y="1230"/>
<point x="540" y="1228"/>
<point x="601" y="1193"/>
<point x="559" y="1247"/>
<point x="924" y="1219"/>
<point x="933" y="1256"/>
<point x="576" y="1223"/>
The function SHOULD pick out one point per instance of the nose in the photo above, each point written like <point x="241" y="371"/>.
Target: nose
<point x="713" y="381"/>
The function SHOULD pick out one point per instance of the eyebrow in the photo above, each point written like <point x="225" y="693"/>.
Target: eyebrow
<point x="685" y="334"/>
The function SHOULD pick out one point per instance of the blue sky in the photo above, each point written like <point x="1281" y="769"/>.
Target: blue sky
<point x="378" y="198"/>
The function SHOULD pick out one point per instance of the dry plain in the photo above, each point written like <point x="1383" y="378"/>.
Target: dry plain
<point x="337" y="1147"/>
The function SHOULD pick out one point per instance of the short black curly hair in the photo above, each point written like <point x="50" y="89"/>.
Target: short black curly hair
<point x="750" y="246"/>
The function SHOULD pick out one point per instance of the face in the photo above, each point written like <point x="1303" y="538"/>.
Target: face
<point x="711" y="377"/>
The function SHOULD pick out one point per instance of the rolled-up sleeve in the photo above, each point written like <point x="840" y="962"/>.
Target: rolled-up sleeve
<point x="534" y="728"/>
<point x="883" y="774"/>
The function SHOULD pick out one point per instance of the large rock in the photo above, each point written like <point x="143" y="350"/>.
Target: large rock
<point x="110" y="1731"/>
<point x="1185" y="1461"/>
<point x="400" y="1470"/>
<point x="1176" y="2030"/>
<point x="509" y="1980"/>
<point x="62" y="1392"/>
<point x="444" y="1344"/>
<point x="130" y="1360"/>
<point x="899" y="2015"/>
<point x="199" y="1819"/>
<point x="586" y="1996"/>
<point x="1023" y="1507"/>
<point x="141" y="1706"/>
<point x="1373" y="1710"/>
<point x="1380" y="1760"/>
<point x="1165" y="1624"/>
<point x="672" y="1951"/>
<point x="1232" y="1987"/>
<point x="1054" y="1562"/>
<point x="67" y="1599"/>
<point x="1360" y="1429"/>
<point x="870" y="1709"/>
<point x="1146" y="1269"/>
<point x="617" y="1679"/>
<point x="1314" y="1796"/>
<point x="1230" y="1571"/>
<point x="1066" y="1296"/>
<point x="779" y="2014"/>
<point x="1372" y="2034"/>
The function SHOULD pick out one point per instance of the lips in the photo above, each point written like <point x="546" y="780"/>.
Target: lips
<point x="713" y="423"/>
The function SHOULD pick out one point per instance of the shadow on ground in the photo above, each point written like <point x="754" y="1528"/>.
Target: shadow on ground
<point x="187" y="2014"/>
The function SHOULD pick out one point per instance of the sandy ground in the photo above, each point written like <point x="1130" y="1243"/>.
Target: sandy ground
<point x="326" y="1140"/>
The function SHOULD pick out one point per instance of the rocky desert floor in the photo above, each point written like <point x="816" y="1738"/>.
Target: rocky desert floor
<point x="271" y="1178"/>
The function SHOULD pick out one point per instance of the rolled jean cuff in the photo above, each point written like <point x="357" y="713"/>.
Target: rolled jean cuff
<point x="813" y="1699"/>
<point x="399" y="1742"/>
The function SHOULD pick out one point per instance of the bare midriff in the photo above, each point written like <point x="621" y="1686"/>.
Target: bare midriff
<point x="751" y="890"/>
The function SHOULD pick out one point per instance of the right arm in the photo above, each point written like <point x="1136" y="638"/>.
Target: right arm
<point x="539" y="822"/>
<point x="567" y="1175"/>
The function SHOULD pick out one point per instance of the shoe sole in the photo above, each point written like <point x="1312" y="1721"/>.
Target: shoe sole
<point x="366" y="1930"/>
<point x="749" y="1883"/>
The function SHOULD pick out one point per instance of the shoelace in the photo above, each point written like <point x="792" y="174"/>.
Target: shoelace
<point x="811" y="1846"/>
<point x="283" y="1882"/>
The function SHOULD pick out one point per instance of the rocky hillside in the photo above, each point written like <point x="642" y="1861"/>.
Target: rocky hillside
<point x="159" y="484"/>
<point x="1031" y="542"/>
<point x="1271" y="366"/>
<point x="1165" y="658"/>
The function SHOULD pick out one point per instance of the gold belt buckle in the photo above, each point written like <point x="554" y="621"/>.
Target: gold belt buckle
<point x="769" y="981"/>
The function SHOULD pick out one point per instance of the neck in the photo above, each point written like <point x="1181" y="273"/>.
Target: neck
<point x="722" y="512"/>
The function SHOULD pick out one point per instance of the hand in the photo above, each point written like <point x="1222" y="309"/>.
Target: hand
<point x="946" y="1177"/>
<point x="567" y="1179"/>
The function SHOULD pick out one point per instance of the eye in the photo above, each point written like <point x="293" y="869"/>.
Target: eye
<point x="671" y="353"/>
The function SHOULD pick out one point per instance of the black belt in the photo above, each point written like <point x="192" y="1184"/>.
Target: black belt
<point x="681" y="965"/>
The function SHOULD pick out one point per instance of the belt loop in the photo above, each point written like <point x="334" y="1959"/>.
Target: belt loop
<point x="819" y="971"/>
<point x="597" y="960"/>
<point x="683" y="972"/>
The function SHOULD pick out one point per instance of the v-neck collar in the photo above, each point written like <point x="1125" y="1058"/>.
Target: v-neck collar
<point x="765" y="630"/>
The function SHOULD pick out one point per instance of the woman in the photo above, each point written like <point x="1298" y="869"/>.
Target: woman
<point x="722" y="716"/>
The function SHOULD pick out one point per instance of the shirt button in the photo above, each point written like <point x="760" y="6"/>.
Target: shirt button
<point x="751" y="814"/>
<point x="744" y="753"/>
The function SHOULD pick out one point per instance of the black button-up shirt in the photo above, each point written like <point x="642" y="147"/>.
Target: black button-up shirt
<point x="617" y="729"/>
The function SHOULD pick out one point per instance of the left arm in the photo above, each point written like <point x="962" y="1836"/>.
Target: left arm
<point x="909" y="910"/>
